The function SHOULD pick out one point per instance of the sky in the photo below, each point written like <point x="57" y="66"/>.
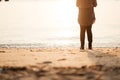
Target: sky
<point x="107" y="10"/>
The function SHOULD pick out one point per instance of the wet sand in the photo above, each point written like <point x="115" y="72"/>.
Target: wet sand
<point x="59" y="64"/>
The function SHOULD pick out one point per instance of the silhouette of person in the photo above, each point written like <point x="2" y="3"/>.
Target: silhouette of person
<point x="86" y="18"/>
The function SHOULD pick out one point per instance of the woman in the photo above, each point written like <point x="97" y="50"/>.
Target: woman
<point x="86" y="18"/>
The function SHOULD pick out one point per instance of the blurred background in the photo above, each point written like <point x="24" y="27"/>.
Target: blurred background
<point x="53" y="23"/>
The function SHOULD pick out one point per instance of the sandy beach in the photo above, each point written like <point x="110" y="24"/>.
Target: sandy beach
<point x="39" y="40"/>
<point x="59" y="64"/>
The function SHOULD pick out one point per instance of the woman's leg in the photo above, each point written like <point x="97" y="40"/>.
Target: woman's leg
<point x="82" y="36"/>
<point x="90" y="36"/>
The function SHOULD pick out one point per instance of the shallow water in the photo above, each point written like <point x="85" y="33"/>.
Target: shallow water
<point x="54" y="23"/>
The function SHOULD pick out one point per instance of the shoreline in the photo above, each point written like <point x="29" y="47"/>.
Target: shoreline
<point x="53" y="45"/>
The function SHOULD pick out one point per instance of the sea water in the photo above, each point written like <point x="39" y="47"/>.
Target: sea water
<point x="53" y="23"/>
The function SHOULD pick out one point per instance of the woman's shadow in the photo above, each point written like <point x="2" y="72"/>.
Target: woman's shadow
<point x="106" y="61"/>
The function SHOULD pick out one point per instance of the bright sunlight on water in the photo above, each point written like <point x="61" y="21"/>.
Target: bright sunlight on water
<point x="54" y="23"/>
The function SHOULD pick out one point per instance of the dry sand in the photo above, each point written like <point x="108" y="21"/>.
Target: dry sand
<point x="59" y="64"/>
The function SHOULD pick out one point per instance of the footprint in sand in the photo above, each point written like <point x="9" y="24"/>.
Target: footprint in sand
<point x="47" y="62"/>
<point x="2" y="51"/>
<point x="63" y="59"/>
